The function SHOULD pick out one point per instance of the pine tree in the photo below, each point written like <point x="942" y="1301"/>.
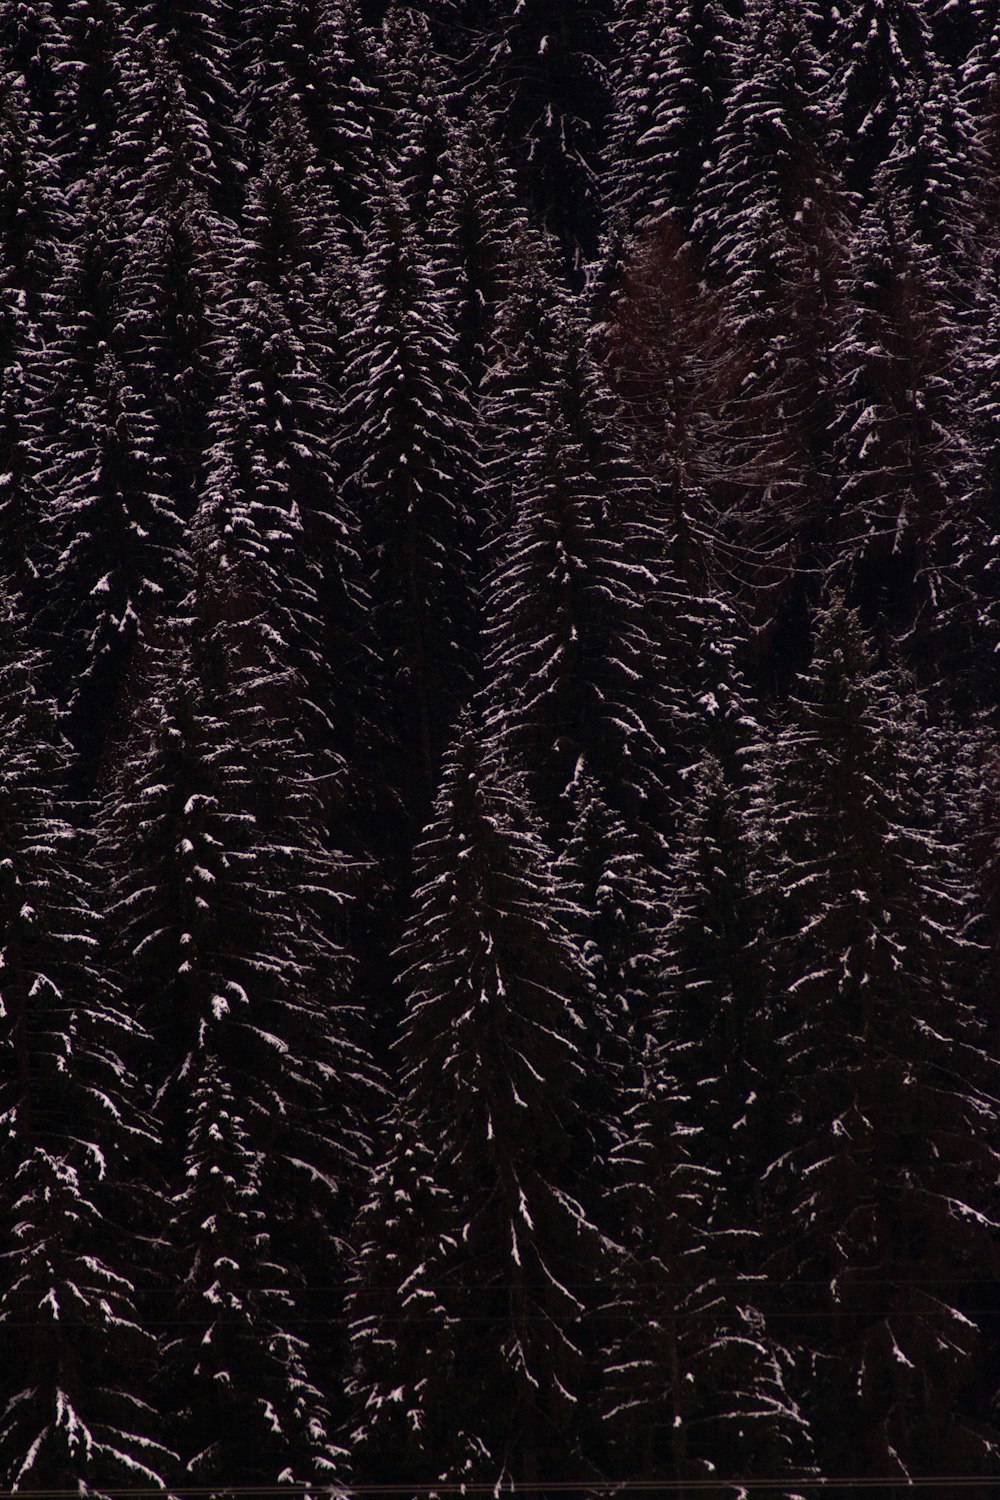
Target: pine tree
<point x="773" y="226"/>
<point x="476" y="229"/>
<point x="522" y="360"/>
<point x="674" y="72"/>
<point x="271" y="485"/>
<point x="35" y="49"/>
<point x="108" y="525"/>
<point x="594" y="648"/>
<point x="323" y="56"/>
<point x="93" y="73"/>
<point x="908" y="525"/>
<point x="296" y="247"/>
<point x="883" y="55"/>
<point x="228" y="910"/>
<point x="697" y="1386"/>
<point x="195" y="40"/>
<point x="77" y="1362"/>
<point x="33" y="224"/>
<point x="880" y="1196"/>
<point x="490" y="1152"/>
<point x="546" y="81"/>
<point x="410" y="464"/>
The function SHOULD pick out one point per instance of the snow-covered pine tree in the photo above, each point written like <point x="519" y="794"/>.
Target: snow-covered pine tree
<point x="161" y="151"/>
<point x="91" y="90"/>
<point x="570" y="664"/>
<point x="409" y="456"/>
<point x="178" y="254"/>
<point x="877" y="1221"/>
<point x="109" y="525"/>
<point x="296" y="245"/>
<point x="195" y="42"/>
<point x="698" y="1384"/>
<point x="521" y="361"/>
<point x="33" y="225"/>
<point x="908" y="525"/>
<point x="478" y="1255"/>
<point x="929" y="175"/>
<point x="676" y="369"/>
<point x="622" y="902"/>
<point x="272" y="486"/>
<point x="476" y="228"/>
<point x="593" y="646"/>
<point x="772" y="224"/>
<point x="979" y="79"/>
<point x="75" y="1372"/>
<point x="697" y="1388"/>
<point x="418" y="97"/>
<point x="673" y="72"/>
<point x="881" y="53"/>
<point x="229" y="908"/>
<point x="543" y="75"/>
<point x="35" y="49"/>
<point x="323" y="55"/>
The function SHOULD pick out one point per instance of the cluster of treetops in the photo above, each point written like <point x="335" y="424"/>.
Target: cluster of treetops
<point x="499" y="760"/>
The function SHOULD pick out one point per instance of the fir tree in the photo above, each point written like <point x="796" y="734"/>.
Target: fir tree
<point x="77" y="1361"/>
<point x="880" y="1195"/>
<point x="196" y="41"/>
<point x="33" y="224"/>
<point x="546" y="81"/>
<point x="674" y="72"/>
<point x="882" y="54"/>
<point x="227" y="906"/>
<point x="908" y="526"/>
<point x="492" y="1060"/>
<point x="323" y="56"/>
<point x="410" y="461"/>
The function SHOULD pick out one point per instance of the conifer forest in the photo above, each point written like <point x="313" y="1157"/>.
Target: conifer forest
<point x="499" y="748"/>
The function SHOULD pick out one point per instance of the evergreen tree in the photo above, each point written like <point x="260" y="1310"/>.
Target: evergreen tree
<point x="109" y="527"/>
<point x="34" y="46"/>
<point x="593" y="646"/>
<point x="32" y="228"/>
<point x="410" y="463"/>
<point x="77" y="1363"/>
<point x="476" y="229"/>
<point x="697" y="1386"/>
<point x="295" y="244"/>
<point x="195" y="40"/>
<point x="522" y="360"/>
<point x="478" y="1372"/>
<point x="773" y="226"/>
<point x="674" y="72"/>
<point x="546" y="81"/>
<point x="227" y="907"/>
<point x="93" y="86"/>
<point x="880" y="1196"/>
<point x="323" y="56"/>
<point x="908" y="522"/>
<point x="883" y="56"/>
<point x="271" y="486"/>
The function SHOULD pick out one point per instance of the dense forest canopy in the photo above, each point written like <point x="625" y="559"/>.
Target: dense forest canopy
<point x="499" y="747"/>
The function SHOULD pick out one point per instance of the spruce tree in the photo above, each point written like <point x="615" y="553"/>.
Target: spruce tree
<point x="478" y="1373"/>
<point x="546" y="81"/>
<point x="674" y="71"/>
<point x="33" y="225"/>
<point x="228" y="910"/>
<point x="908" y="527"/>
<point x="77" y="1365"/>
<point x="410" y="463"/>
<point x="879" y="1200"/>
